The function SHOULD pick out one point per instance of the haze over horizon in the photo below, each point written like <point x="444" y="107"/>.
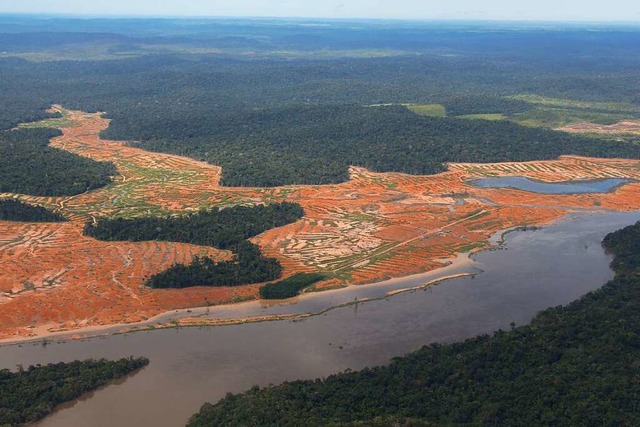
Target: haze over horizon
<point x="542" y="10"/>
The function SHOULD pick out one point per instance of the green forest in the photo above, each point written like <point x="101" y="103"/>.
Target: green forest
<point x="220" y="228"/>
<point x="281" y="103"/>
<point x="315" y="145"/>
<point x="32" y="393"/>
<point x="248" y="265"/>
<point x="29" y="166"/>
<point x="572" y="365"/>
<point x="289" y="287"/>
<point x="15" y="210"/>
<point x="227" y="228"/>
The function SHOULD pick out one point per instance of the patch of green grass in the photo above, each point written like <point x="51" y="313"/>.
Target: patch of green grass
<point x="328" y="288"/>
<point x="618" y="107"/>
<point x="342" y="275"/>
<point x="483" y="116"/>
<point x="105" y="51"/>
<point x="470" y="247"/>
<point x="328" y="53"/>
<point x="483" y="226"/>
<point x="553" y="117"/>
<point x="556" y="112"/>
<point x="435" y="110"/>
<point x="360" y="216"/>
<point x="54" y="122"/>
<point x="477" y="212"/>
<point x="377" y="258"/>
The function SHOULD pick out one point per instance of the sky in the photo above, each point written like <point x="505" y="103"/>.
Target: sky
<point x="520" y="10"/>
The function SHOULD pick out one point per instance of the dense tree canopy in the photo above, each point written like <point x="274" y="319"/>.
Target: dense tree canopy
<point x="220" y="228"/>
<point x="248" y="265"/>
<point x="289" y="287"/>
<point x="270" y="121"/>
<point x="32" y="393"/>
<point x="573" y="365"/>
<point x="226" y="228"/>
<point x="29" y="166"/>
<point x="315" y="145"/>
<point x="15" y="210"/>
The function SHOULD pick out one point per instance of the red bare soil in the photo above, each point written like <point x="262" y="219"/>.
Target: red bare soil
<point x="376" y="226"/>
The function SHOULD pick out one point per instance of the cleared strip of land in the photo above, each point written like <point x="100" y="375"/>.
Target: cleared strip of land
<point x="373" y="227"/>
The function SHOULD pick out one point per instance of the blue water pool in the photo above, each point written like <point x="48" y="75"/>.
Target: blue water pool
<point x="566" y="187"/>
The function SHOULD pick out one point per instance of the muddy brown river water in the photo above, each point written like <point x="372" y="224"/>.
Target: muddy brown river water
<point x="537" y="269"/>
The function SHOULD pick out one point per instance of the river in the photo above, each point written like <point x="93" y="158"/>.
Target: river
<point x="537" y="269"/>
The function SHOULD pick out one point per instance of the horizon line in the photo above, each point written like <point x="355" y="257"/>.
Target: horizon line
<point x="317" y="18"/>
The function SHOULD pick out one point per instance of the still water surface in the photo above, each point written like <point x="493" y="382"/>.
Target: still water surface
<point x="567" y="187"/>
<point x="189" y="366"/>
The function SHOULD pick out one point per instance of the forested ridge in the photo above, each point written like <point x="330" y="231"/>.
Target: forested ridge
<point x="28" y="165"/>
<point x="227" y="228"/>
<point x="316" y="145"/>
<point x="572" y="365"/>
<point x="15" y="210"/>
<point x="32" y="393"/>
<point x="300" y="118"/>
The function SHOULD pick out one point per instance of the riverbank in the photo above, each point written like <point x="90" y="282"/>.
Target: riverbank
<point x="540" y="268"/>
<point x="304" y="306"/>
<point x="371" y="228"/>
<point x="236" y="313"/>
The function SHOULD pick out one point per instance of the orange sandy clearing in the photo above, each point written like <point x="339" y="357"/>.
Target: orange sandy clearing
<point x="376" y="226"/>
<point x="626" y="127"/>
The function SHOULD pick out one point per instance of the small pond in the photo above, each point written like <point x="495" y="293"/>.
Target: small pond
<point x="566" y="187"/>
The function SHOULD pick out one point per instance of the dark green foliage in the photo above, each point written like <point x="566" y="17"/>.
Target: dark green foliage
<point x="247" y="266"/>
<point x="573" y="365"/>
<point x="270" y="122"/>
<point x="224" y="228"/>
<point x="29" y="166"/>
<point x="390" y="422"/>
<point x="23" y="111"/>
<point x="625" y="244"/>
<point x="315" y="145"/>
<point x="15" y="210"/>
<point x="479" y="104"/>
<point x="30" y="394"/>
<point x="289" y="287"/>
<point x="220" y="228"/>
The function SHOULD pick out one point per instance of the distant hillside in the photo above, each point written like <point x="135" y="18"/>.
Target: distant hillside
<point x="282" y="102"/>
<point x="316" y="145"/>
